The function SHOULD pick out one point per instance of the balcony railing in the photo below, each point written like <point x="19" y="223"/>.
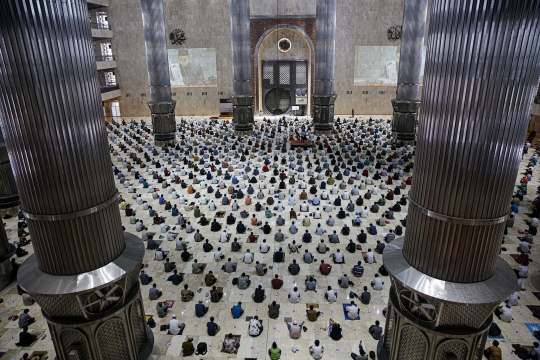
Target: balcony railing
<point x="100" y="26"/>
<point x="107" y="88"/>
<point x="105" y="58"/>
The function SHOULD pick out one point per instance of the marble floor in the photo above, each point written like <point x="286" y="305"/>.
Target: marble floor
<point x="169" y="347"/>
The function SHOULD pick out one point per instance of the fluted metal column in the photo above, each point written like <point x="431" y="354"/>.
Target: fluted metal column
<point x="157" y="62"/>
<point x="324" y="97"/>
<point x="407" y="103"/>
<point x="241" y="58"/>
<point x="482" y="68"/>
<point x="85" y="267"/>
<point x="9" y="197"/>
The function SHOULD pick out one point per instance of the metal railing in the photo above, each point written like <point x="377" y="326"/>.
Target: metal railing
<point x="105" y="58"/>
<point x="100" y="26"/>
<point x="107" y="88"/>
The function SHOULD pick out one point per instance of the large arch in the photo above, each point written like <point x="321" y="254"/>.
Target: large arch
<point x="258" y="61"/>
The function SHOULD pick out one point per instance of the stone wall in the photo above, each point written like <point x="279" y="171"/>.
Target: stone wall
<point x="206" y="24"/>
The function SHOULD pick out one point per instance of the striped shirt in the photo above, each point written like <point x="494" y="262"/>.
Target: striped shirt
<point x="358" y="270"/>
<point x="390" y="237"/>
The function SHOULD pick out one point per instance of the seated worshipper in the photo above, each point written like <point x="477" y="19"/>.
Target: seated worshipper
<point x="200" y="309"/>
<point x="494" y="352"/>
<point x="279" y="236"/>
<point x="322" y="248"/>
<point x="325" y="268"/>
<point x="351" y="247"/>
<point x="154" y="293"/>
<point x="264" y="247"/>
<point x="344" y="282"/>
<point x="186" y="295"/>
<point x="380" y="247"/>
<point x="390" y="236"/>
<point x="316" y="350"/>
<point x="207" y="247"/>
<point x="255" y="327"/>
<point x="260" y="269"/>
<point x="273" y="310"/>
<point x="308" y="257"/>
<point x="294" y="268"/>
<point x="312" y="315"/>
<point x="224" y="237"/>
<point x="229" y="266"/>
<point x="215" y="226"/>
<point x="215" y="295"/>
<point x="229" y="345"/>
<point x="293" y="247"/>
<point x="266" y="228"/>
<point x="338" y="257"/>
<point x="258" y="296"/>
<point x="187" y="347"/>
<point x="277" y="283"/>
<point x="311" y="284"/>
<point x="175" y="279"/>
<point x="369" y="257"/>
<point x="212" y="328"/>
<point x="358" y="269"/>
<point x="248" y="257"/>
<point x="159" y="255"/>
<point x="237" y="311"/>
<point x="26" y="338"/>
<point x="372" y="230"/>
<point x="345" y="230"/>
<point x="231" y="219"/>
<point x="504" y="313"/>
<point x="330" y="295"/>
<point x="335" y="332"/>
<point x="295" y="330"/>
<point x="279" y="256"/>
<point x="243" y="282"/>
<point x="376" y="330"/>
<point x="20" y="252"/>
<point x="240" y="228"/>
<point x="145" y="279"/>
<point x="186" y="256"/>
<point x="352" y="311"/>
<point x="522" y="271"/>
<point x="169" y="266"/>
<point x="365" y="297"/>
<point x="377" y="283"/>
<point x="235" y="245"/>
<point x="294" y="296"/>
<point x="334" y="238"/>
<point x="210" y="279"/>
<point x="218" y="255"/>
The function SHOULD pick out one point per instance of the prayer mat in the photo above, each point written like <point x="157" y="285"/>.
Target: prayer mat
<point x="38" y="334"/>
<point x="236" y="339"/>
<point x="532" y="328"/>
<point x="315" y="306"/>
<point x="364" y="254"/>
<point x="148" y="317"/>
<point x="220" y="215"/>
<point x="170" y="303"/>
<point x="516" y="257"/>
<point x="345" y="313"/>
<point x="38" y="355"/>
<point x="254" y="241"/>
<point x="203" y="265"/>
<point x="287" y="319"/>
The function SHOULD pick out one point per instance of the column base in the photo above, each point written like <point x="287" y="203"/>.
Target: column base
<point x="404" y="121"/>
<point x="163" y="122"/>
<point x="243" y="118"/>
<point x="98" y="314"/>
<point x="432" y="318"/>
<point x="323" y="113"/>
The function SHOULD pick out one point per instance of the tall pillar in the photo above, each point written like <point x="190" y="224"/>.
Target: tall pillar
<point x="9" y="197"/>
<point x="157" y="62"/>
<point x="407" y="103"/>
<point x="84" y="272"/>
<point x="9" y="204"/>
<point x="243" y="97"/>
<point x="447" y="278"/>
<point x="325" y="57"/>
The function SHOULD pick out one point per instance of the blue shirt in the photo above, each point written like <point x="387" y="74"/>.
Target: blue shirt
<point x="199" y="310"/>
<point x="236" y="311"/>
<point x="212" y="328"/>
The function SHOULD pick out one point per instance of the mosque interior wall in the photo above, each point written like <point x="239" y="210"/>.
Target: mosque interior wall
<point x="206" y="24"/>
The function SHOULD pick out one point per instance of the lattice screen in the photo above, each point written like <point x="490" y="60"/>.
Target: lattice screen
<point x="280" y="79"/>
